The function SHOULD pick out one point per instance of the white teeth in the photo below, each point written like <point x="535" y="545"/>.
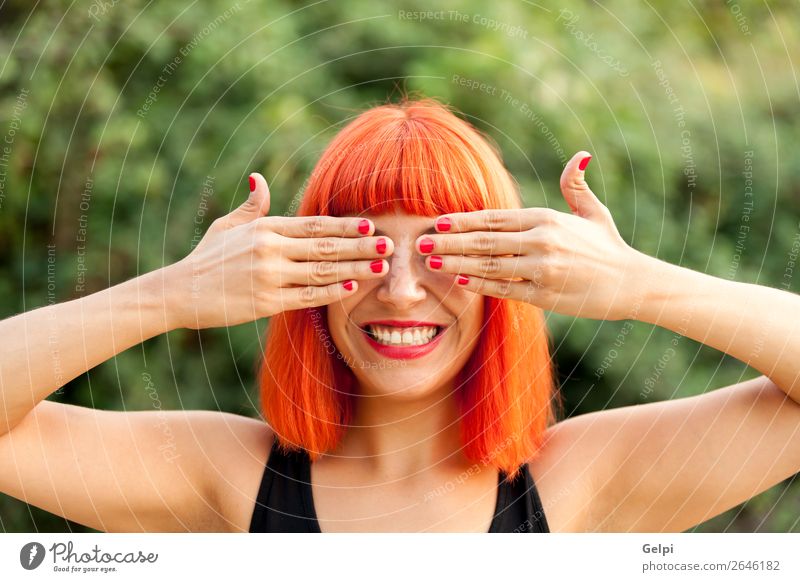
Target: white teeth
<point x="406" y="336"/>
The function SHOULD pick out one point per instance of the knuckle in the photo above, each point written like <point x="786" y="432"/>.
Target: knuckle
<point x="545" y="272"/>
<point x="307" y="294"/>
<point x="550" y="216"/>
<point x="490" y="265"/>
<point x="321" y="270"/>
<point x="364" y="246"/>
<point x="531" y="291"/>
<point x="483" y="243"/>
<point x="551" y="243"/>
<point x="324" y="247"/>
<point x="268" y="224"/>
<point x="503" y="287"/>
<point x="314" y="225"/>
<point x="494" y="219"/>
<point x="265" y="246"/>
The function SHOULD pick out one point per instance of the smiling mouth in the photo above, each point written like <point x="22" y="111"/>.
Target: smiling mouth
<point x="394" y="336"/>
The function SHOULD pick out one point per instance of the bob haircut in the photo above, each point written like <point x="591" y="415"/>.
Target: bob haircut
<point x="419" y="156"/>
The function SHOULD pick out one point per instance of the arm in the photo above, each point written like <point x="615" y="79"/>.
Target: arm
<point x="49" y="346"/>
<point x="662" y="466"/>
<point x="112" y="471"/>
<point x="163" y="470"/>
<point x="669" y="466"/>
<point x="757" y="325"/>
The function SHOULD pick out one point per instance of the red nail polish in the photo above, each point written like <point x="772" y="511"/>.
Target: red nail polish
<point x="348" y="285"/>
<point x="426" y="245"/>
<point x="252" y="183"/>
<point x="376" y="266"/>
<point x="443" y="224"/>
<point x="462" y="279"/>
<point x="363" y="226"/>
<point x="436" y="262"/>
<point x="380" y="246"/>
<point x="584" y="163"/>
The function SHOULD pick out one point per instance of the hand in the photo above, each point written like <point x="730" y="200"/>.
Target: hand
<point x="576" y="264"/>
<point x="249" y="265"/>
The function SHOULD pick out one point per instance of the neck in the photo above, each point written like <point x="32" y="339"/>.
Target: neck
<point x="401" y="436"/>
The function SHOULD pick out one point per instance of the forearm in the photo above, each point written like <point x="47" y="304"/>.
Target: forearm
<point x="755" y="324"/>
<point x="45" y="348"/>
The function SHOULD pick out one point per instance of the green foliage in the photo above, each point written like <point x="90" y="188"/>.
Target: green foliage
<point x="113" y="176"/>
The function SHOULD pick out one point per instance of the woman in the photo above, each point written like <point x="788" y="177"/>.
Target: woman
<point x="406" y="381"/>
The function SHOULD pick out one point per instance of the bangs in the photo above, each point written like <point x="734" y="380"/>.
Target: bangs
<point x="413" y="157"/>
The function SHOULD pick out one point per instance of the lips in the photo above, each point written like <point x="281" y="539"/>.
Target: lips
<point x="403" y="340"/>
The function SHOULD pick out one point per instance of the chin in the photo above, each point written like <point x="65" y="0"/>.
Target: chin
<point x="399" y="381"/>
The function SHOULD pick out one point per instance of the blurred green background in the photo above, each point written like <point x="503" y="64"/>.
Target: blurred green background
<point x="114" y="115"/>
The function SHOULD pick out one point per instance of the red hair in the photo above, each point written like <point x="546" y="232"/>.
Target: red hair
<point x="419" y="156"/>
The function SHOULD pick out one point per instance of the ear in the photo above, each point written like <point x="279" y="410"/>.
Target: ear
<point x="577" y="193"/>
<point x="256" y="205"/>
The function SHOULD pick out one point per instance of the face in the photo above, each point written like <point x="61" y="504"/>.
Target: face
<point x="409" y="333"/>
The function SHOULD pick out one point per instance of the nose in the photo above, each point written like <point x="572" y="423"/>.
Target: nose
<point x="402" y="287"/>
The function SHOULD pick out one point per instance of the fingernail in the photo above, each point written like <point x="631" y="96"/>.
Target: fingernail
<point x="252" y="183"/>
<point x="436" y="262"/>
<point x="584" y="162"/>
<point x="363" y="226"/>
<point x="380" y="246"/>
<point x="376" y="266"/>
<point x="443" y="224"/>
<point x="462" y="279"/>
<point x="426" y="245"/>
<point x="348" y="285"/>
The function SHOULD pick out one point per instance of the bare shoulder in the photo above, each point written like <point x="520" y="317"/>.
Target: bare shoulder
<point x="133" y="471"/>
<point x="237" y="453"/>
<point x="561" y="471"/>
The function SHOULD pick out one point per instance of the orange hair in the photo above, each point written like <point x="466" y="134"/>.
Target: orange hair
<point x="419" y="156"/>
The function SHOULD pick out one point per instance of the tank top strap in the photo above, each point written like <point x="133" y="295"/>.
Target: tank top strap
<point x="519" y="507"/>
<point x="284" y="502"/>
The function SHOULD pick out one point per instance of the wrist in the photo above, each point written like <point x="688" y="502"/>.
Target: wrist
<point x="648" y="286"/>
<point x="159" y="301"/>
<point x="669" y="294"/>
<point x="172" y="295"/>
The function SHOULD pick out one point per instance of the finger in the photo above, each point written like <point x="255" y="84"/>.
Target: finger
<point x="473" y="243"/>
<point x="490" y="267"/>
<point x="256" y="205"/>
<point x="576" y="191"/>
<point x="320" y="226"/>
<point x="500" y="288"/>
<point x="327" y="272"/>
<point x="316" y="296"/>
<point x="515" y="219"/>
<point x="337" y="248"/>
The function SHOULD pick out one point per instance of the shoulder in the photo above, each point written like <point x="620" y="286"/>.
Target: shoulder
<point x="236" y="453"/>
<point x="562" y="473"/>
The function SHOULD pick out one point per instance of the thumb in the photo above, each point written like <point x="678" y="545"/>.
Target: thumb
<point x="576" y="191"/>
<point x="256" y="205"/>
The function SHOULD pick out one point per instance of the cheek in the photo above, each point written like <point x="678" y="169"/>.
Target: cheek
<point x="337" y="320"/>
<point x="468" y="307"/>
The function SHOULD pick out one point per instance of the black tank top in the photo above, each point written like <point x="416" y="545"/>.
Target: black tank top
<point x="285" y="503"/>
